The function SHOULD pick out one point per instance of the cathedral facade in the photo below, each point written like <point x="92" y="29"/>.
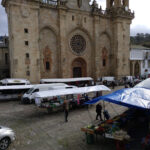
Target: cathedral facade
<point x="68" y="38"/>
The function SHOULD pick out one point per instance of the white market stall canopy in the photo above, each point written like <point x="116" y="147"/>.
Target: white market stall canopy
<point x="81" y="90"/>
<point x="14" y="81"/>
<point x="59" y="80"/>
<point x="144" y="84"/>
<point x="53" y="85"/>
<point x="16" y="87"/>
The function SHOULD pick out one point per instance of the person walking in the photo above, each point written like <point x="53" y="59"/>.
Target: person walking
<point x="66" y="109"/>
<point x="99" y="111"/>
<point x="106" y="114"/>
<point x="113" y="84"/>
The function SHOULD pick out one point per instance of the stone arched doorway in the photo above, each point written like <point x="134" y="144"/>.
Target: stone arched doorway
<point x="79" y="68"/>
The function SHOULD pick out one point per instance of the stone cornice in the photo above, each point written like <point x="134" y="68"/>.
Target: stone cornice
<point x="95" y="11"/>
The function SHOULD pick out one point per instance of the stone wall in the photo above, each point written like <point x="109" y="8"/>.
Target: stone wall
<point x="68" y="36"/>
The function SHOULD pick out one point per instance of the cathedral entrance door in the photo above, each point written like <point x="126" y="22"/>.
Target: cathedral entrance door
<point x="79" y="68"/>
<point x="77" y="72"/>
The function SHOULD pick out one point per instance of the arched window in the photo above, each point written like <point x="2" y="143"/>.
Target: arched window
<point x="47" y="65"/>
<point x="104" y="62"/>
<point x="47" y="58"/>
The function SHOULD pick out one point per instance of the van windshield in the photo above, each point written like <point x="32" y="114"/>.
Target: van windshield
<point x="30" y="91"/>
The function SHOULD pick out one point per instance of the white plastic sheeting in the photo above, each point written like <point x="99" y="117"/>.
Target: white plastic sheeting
<point x="54" y="85"/>
<point x="144" y="84"/>
<point x="14" y="81"/>
<point x="59" y="80"/>
<point x="81" y="90"/>
<point x="15" y="87"/>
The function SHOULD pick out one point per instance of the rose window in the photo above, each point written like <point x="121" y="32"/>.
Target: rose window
<point x="78" y="44"/>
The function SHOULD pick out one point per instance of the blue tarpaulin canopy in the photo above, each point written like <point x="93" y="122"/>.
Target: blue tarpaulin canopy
<point x="130" y="97"/>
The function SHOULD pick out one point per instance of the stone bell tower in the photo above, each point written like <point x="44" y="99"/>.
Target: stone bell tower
<point x="121" y="18"/>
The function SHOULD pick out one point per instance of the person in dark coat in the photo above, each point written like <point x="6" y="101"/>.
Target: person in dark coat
<point x="106" y="114"/>
<point x="66" y="109"/>
<point x="113" y="84"/>
<point x="99" y="111"/>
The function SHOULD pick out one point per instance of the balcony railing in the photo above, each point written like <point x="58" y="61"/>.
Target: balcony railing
<point x="50" y="2"/>
<point x="53" y="2"/>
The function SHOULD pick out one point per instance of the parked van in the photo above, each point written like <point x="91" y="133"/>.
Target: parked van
<point x="29" y="96"/>
<point x="108" y="80"/>
<point x="130" y="78"/>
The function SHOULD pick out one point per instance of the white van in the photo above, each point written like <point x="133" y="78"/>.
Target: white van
<point x="108" y="80"/>
<point x="29" y="96"/>
<point x="130" y="78"/>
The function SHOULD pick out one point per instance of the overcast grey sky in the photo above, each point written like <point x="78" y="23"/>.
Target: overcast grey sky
<point x="140" y="24"/>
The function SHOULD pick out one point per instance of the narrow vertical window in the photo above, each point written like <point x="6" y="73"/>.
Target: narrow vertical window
<point x="26" y="43"/>
<point x="26" y="30"/>
<point x="28" y="73"/>
<point x="47" y="65"/>
<point x="6" y="58"/>
<point x="72" y="18"/>
<point x="27" y="55"/>
<point x="104" y="62"/>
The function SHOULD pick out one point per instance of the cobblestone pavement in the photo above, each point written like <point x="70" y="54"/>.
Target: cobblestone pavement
<point x="37" y="130"/>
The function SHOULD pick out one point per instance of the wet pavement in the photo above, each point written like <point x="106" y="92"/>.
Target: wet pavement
<point x="36" y="129"/>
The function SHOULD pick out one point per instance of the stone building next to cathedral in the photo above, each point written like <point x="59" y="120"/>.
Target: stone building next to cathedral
<point x="68" y="38"/>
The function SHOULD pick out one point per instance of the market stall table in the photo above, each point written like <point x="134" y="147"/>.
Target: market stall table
<point x="132" y="125"/>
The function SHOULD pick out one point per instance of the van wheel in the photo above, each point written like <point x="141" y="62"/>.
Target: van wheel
<point x="4" y="143"/>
